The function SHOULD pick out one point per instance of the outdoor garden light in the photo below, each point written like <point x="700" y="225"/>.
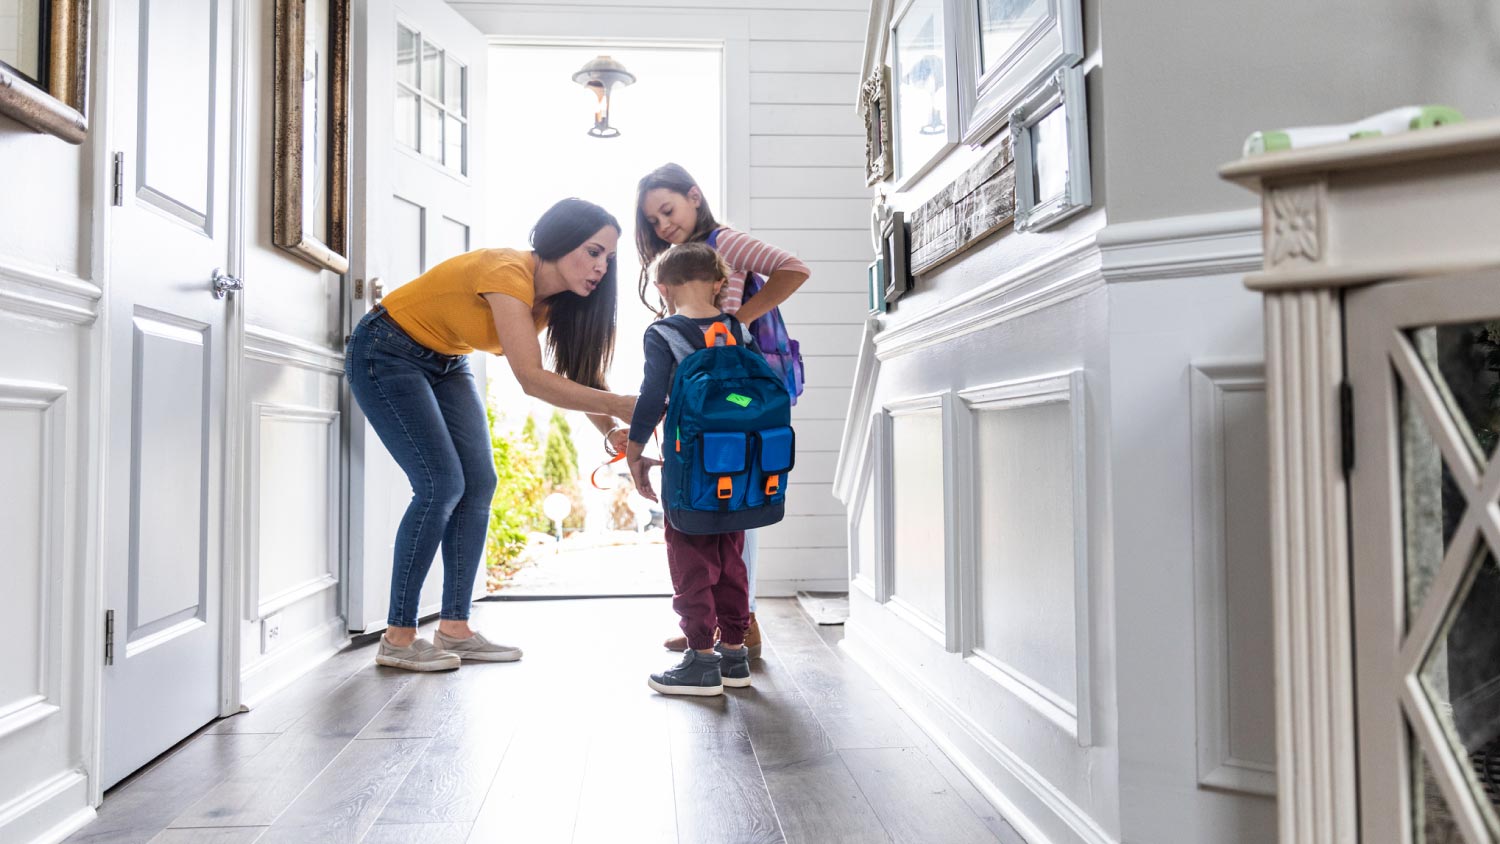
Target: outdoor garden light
<point x="602" y="75"/>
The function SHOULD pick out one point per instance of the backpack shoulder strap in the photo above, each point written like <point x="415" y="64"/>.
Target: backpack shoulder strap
<point x="713" y="238"/>
<point x="682" y="337"/>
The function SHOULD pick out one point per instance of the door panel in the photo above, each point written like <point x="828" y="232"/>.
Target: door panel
<point x="415" y="186"/>
<point x="166" y="358"/>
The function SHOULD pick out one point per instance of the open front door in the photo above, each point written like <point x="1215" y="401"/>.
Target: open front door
<point x="418" y="86"/>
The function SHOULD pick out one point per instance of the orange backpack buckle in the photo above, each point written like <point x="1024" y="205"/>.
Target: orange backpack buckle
<point x="726" y="487"/>
<point x="773" y="485"/>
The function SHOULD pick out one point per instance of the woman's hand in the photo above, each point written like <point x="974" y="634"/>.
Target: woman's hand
<point x="616" y="441"/>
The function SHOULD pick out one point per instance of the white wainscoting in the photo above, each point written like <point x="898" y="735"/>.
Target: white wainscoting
<point x="1232" y="578"/>
<point x="921" y="569"/>
<point x="294" y="501"/>
<point x="33" y="425"/>
<point x="1024" y="562"/>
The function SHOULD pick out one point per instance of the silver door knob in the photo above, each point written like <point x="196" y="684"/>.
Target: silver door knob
<point x="224" y="283"/>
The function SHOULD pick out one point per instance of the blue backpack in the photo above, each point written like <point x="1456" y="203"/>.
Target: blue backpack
<point x="729" y="444"/>
<point x="782" y="353"/>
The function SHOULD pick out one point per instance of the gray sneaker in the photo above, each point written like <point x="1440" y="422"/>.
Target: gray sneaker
<point x="477" y="648"/>
<point x="420" y="655"/>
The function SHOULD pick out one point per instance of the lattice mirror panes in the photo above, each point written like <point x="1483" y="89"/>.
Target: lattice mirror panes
<point x="1448" y="393"/>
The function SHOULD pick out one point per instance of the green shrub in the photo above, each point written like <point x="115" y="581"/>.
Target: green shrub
<point x="517" y="505"/>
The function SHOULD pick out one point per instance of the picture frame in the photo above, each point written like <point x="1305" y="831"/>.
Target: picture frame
<point x="1049" y="137"/>
<point x="875" y="286"/>
<point x="310" y="155"/>
<point x="875" y="107"/>
<point x="896" y="257"/>
<point x="53" y="102"/>
<point x="924" y="100"/>
<point x="1009" y="47"/>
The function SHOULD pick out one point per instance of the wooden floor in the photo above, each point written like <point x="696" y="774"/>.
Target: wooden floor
<point x="569" y="745"/>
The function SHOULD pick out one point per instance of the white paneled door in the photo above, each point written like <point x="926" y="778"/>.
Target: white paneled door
<point x="170" y="64"/>
<point x="418" y="84"/>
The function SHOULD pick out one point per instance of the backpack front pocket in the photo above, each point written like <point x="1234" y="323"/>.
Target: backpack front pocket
<point x="722" y="478"/>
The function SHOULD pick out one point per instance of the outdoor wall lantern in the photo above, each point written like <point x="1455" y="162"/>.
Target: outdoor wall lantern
<point x="601" y="76"/>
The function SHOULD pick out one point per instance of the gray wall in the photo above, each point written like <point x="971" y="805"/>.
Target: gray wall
<point x="1186" y="81"/>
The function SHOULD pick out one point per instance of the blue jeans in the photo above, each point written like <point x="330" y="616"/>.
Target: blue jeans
<point x="426" y="409"/>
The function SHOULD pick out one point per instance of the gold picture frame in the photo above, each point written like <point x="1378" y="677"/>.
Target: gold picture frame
<point x="310" y="155"/>
<point x="57" y="107"/>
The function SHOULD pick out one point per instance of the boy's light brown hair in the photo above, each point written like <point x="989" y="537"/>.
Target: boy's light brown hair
<point x="689" y="262"/>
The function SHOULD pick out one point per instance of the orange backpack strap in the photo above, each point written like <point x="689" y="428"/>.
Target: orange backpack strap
<point x="716" y="329"/>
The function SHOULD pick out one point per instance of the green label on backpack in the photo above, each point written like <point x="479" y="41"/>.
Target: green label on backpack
<point x="742" y="401"/>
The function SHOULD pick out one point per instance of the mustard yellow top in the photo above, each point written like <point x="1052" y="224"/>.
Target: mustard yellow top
<point x="444" y="309"/>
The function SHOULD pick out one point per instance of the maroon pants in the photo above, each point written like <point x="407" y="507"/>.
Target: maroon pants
<point x="712" y="589"/>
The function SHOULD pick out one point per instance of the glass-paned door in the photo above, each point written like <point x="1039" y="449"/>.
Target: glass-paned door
<point x="1424" y="366"/>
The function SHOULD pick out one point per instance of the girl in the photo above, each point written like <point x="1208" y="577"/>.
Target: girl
<point x="408" y="369"/>
<point x="670" y="209"/>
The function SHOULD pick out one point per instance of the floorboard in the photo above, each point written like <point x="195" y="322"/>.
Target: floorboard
<point x="568" y="745"/>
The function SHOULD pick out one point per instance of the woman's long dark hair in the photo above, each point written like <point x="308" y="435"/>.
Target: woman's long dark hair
<point x="580" y="329"/>
<point x="675" y="179"/>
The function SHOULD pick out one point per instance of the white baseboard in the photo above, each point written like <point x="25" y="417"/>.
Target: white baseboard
<point x="280" y="668"/>
<point x="1034" y="807"/>
<point x="789" y="588"/>
<point x="48" y="813"/>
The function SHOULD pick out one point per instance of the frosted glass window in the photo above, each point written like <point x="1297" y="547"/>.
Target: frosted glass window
<point x="432" y="96"/>
<point x="921" y="86"/>
<point x="1024" y="462"/>
<point x="917" y="489"/>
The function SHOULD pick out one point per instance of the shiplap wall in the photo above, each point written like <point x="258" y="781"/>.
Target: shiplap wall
<point x="806" y="194"/>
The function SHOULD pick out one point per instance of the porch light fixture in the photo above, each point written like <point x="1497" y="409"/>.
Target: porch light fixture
<point x="601" y="76"/>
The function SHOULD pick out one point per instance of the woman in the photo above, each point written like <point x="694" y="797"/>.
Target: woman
<point x="670" y="210"/>
<point x="408" y="368"/>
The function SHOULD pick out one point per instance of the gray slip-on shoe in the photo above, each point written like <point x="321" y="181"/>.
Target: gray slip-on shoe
<point x="420" y="655"/>
<point x="477" y="648"/>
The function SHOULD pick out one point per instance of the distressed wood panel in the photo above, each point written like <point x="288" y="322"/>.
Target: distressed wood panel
<point x="976" y="204"/>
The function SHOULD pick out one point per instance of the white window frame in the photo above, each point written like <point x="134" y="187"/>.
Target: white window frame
<point x="987" y="99"/>
<point x="462" y="171"/>
<point x="951" y="85"/>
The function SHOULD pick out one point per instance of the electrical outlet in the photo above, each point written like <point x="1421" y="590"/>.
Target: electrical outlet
<point x="270" y="633"/>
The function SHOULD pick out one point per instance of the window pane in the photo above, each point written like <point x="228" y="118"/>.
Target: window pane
<point x="454" y="84"/>
<point x="406" y="117"/>
<point x="453" y="145"/>
<point x="1001" y="25"/>
<point x="921" y="87"/>
<point x="432" y="130"/>
<point x="432" y="70"/>
<point x="406" y="56"/>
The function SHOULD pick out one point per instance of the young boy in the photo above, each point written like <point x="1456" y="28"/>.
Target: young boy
<point x="708" y="571"/>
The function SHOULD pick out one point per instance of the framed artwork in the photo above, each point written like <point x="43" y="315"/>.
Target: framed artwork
<point x="895" y="255"/>
<point x="310" y="156"/>
<point x="1009" y="47"/>
<point x="924" y="100"/>
<point x="875" y="106"/>
<point x="1049" y="136"/>
<point x="44" y="66"/>
<point x="875" y="286"/>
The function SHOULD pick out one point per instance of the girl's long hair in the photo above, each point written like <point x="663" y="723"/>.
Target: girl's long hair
<point x="674" y="178"/>
<point x="580" y="329"/>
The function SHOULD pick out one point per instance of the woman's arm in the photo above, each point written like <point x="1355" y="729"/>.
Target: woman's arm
<point x="778" y="288"/>
<point x="517" y="334"/>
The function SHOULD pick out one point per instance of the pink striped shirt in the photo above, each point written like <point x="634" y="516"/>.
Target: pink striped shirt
<point x="743" y="254"/>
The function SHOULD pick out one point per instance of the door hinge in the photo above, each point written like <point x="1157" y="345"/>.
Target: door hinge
<point x="359" y="289"/>
<point x="118" y="197"/>
<point x="109" y="637"/>
<point x="1346" y="425"/>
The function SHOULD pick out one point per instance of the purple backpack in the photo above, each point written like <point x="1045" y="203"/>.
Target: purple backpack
<point x="780" y="351"/>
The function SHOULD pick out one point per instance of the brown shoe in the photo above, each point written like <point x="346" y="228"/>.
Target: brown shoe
<point x="752" y="638"/>
<point x="676" y="643"/>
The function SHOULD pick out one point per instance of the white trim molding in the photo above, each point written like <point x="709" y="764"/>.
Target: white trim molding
<point x="267" y="346"/>
<point x="47" y="294"/>
<point x="1217" y="765"/>
<point x="1225" y="243"/>
<point x="1066" y="273"/>
<point x="864" y="575"/>
<point x="946" y="629"/>
<point x="258" y="606"/>
<point x="855" y="444"/>
<point x="1064" y="388"/>
<point x="1038" y="810"/>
